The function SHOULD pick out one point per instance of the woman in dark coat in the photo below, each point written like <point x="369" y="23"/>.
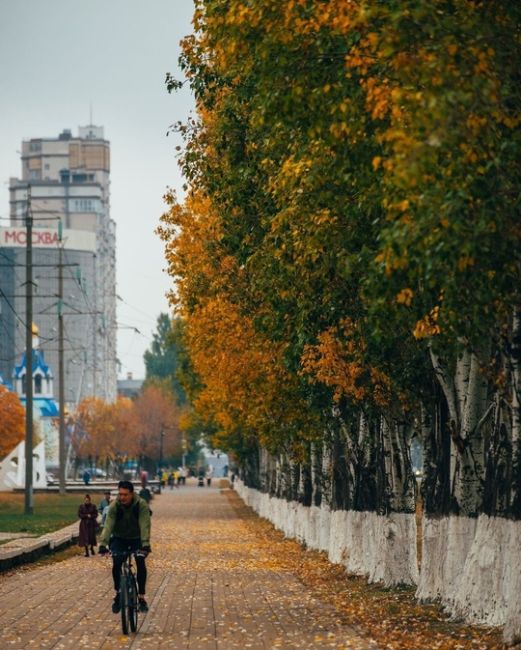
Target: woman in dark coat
<point x="88" y="514"/>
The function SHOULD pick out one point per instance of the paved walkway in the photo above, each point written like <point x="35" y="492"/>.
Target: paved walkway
<point x="213" y="584"/>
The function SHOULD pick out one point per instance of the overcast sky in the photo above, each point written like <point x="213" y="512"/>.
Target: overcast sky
<point x="60" y="57"/>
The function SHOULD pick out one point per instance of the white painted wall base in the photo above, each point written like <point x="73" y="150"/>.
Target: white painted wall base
<point x="474" y="567"/>
<point x="381" y="548"/>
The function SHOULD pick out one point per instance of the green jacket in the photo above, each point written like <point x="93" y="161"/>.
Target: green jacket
<point x="131" y="522"/>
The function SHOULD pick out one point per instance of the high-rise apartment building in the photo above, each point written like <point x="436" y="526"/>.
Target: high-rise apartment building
<point x="65" y="184"/>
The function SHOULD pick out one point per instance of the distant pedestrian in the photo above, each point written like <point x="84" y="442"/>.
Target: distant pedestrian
<point x="182" y="475"/>
<point x="104" y="506"/>
<point x="88" y="513"/>
<point x="86" y="477"/>
<point x="171" y="480"/>
<point x="209" y="475"/>
<point x="145" y="494"/>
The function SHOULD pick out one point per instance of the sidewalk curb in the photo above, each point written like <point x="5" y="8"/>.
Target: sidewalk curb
<point x="28" y="549"/>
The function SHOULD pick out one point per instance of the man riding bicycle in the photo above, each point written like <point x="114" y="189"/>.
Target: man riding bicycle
<point x="127" y="528"/>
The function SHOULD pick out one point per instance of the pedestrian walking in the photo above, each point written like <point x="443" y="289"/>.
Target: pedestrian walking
<point x="209" y="475"/>
<point x="88" y="513"/>
<point x="86" y="477"/>
<point x="171" y="480"/>
<point x="104" y="506"/>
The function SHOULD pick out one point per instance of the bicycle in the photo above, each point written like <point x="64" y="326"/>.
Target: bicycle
<point x="128" y="592"/>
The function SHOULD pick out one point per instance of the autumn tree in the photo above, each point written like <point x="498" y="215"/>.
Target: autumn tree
<point x="93" y="430"/>
<point x="156" y="423"/>
<point x="349" y="249"/>
<point x="12" y="421"/>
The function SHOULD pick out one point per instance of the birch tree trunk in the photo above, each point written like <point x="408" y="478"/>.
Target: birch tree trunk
<point x="316" y="474"/>
<point x="515" y="508"/>
<point x="263" y="469"/>
<point x="472" y="561"/>
<point x="472" y="394"/>
<point x="512" y="630"/>
<point x="447" y="540"/>
<point x="326" y="486"/>
<point x="466" y="398"/>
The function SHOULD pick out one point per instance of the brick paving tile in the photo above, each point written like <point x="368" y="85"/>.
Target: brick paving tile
<point x="212" y="585"/>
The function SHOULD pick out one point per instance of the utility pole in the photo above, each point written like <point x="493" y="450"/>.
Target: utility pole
<point x="95" y="327"/>
<point x="29" y="358"/>
<point x="61" y="364"/>
<point x="161" y="436"/>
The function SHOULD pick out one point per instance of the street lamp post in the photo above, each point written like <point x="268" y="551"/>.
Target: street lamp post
<point x="184" y="450"/>
<point x="160" y="472"/>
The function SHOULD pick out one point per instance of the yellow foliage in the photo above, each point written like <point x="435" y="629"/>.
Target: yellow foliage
<point x="376" y="162"/>
<point x="391" y="261"/>
<point x="242" y="373"/>
<point x="12" y="421"/>
<point x="404" y="297"/>
<point x="338" y="362"/>
<point x="427" y="326"/>
<point x="464" y="262"/>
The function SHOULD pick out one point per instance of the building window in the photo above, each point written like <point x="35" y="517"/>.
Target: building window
<point x="86" y="205"/>
<point x="37" y="384"/>
<point x="35" y="146"/>
<point x="34" y="175"/>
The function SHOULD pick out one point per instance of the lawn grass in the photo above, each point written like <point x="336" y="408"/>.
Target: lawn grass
<point x="51" y="512"/>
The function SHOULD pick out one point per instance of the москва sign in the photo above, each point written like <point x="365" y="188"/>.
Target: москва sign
<point x="48" y="238"/>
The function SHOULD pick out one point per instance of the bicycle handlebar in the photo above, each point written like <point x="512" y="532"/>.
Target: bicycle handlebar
<point x="125" y="554"/>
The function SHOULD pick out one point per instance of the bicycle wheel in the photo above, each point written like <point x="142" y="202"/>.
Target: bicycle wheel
<point x="132" y="602"/>
<point x="123" y="595"/>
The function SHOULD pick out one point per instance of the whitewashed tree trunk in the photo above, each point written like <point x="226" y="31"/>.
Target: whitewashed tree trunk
<point x="446" y="542"/>
<point x="488" y="591"/>
<point x="512" y="630"/>
<point x="473" y="565"/>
